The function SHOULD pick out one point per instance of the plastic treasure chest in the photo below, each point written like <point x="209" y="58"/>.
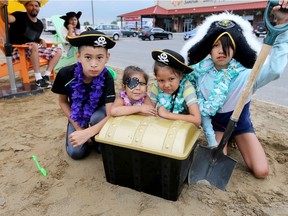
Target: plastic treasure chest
<point x="148" y="154"/>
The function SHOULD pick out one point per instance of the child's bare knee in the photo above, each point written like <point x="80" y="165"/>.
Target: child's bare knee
<point x="261" y="173"/>
<point x="34" y="47"/>
<point x="59" y="52"/>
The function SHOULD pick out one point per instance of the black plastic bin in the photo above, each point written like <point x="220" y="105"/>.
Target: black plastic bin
<point x="148" y="154"/>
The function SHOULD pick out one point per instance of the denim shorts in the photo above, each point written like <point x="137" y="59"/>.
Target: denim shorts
<point x="244" y="124"/>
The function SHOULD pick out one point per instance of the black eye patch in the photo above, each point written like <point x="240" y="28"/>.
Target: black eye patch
<point x="134" y="82"/>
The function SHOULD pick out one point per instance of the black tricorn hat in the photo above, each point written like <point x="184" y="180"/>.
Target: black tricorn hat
<point x="92" y="38"/>
<point x="171" y="59"/>
<point x="239" y="30"/>
<point x="71" y="14"/>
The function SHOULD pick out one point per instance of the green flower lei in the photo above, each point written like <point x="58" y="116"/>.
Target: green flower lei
<point x="221" y="87"/>
<point x="173" y="103"/>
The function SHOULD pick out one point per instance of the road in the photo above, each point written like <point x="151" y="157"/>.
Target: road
<point x="133" y="51"/>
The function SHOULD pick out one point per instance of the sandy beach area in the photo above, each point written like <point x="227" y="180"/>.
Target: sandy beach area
<point x="35" y="125"/>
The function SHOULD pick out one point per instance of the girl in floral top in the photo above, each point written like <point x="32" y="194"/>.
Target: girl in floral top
<point x="133" y="98"/>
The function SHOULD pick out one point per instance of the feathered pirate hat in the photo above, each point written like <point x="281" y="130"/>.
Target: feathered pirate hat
<point x="241" y="31"/>
<point x="171" y="59"/>
<point x="92" y="38"/>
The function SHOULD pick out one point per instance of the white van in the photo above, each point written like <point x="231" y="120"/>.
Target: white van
<point x="110" y="30"/>
<point x="48" y="25"/>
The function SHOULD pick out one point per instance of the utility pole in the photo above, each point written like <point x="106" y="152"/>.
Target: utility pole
<point x="92" y="13"/>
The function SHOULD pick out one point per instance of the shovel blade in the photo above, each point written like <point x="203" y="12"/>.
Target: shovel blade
<point x="206" y="166"/>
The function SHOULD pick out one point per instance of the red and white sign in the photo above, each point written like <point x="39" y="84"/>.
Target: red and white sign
<point x="132" y="18"/>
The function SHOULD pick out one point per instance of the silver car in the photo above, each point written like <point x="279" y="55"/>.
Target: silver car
<point x="110" y="30"/>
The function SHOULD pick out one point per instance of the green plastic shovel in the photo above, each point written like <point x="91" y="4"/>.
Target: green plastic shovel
<point x="41" y="169"/>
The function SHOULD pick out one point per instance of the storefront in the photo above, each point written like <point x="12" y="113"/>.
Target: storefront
<point x="184" y="15"/>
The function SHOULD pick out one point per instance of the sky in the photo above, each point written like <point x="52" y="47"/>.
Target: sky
<point x="105" y="11"/>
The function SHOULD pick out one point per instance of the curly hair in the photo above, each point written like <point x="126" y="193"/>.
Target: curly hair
<point x="130" y="70"/>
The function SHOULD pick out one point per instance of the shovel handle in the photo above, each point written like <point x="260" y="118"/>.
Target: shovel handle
<point x="251" y="80"/>
<point x="273" y="31"/>
<point x="243" y="98"/>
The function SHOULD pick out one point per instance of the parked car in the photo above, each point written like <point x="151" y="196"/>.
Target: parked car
<point x="190" y="34"/>
<point x="152" y="33"/>
<point x="260" y="29"/>
<point x="129" y="32"/>
<point x="110" y="30"/>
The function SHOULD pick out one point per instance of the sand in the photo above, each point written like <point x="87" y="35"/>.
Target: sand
<point x="35" y="125"/>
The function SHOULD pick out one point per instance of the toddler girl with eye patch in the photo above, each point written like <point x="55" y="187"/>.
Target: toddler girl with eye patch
<point x="133" y="99"/>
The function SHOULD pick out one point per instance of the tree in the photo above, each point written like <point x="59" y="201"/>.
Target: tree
<point x="86" y="23"/>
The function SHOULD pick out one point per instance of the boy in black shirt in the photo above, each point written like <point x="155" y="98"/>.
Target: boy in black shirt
<point x="86" y="91"/>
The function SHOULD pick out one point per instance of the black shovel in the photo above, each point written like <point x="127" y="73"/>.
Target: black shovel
<point x="211" y="164"/>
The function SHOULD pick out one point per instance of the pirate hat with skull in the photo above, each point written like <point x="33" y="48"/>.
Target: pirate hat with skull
<point x="171" y="59"/>
<point x="92" y="38"/>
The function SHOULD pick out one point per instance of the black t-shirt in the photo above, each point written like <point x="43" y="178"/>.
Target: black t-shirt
<point x="65" y="78"/>
<point x="23" y="30"/>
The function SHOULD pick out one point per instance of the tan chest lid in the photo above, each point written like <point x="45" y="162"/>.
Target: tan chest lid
<point x="155" y="135"/>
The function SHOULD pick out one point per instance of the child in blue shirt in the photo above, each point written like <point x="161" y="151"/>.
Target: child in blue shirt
<point x="220" y="78"/>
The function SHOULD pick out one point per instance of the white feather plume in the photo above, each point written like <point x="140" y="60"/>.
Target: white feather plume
<point x="203" y="29"/>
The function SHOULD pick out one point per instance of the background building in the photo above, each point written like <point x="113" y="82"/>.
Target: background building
<point x="184" y="15"/>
